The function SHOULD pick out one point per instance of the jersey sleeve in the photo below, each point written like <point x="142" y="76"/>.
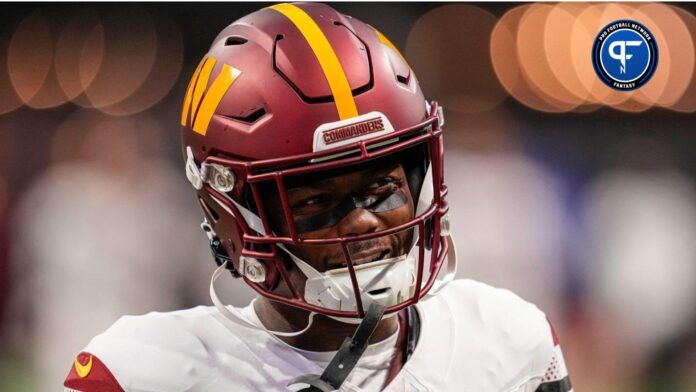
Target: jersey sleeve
<point x="89" y="374"/>
<point x="556" y="378"/>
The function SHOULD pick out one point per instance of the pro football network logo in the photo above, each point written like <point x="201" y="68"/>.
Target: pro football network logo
<point x="624" y="55"/>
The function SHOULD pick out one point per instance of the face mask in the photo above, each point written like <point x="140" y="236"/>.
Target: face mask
<point x="394" y="275"/>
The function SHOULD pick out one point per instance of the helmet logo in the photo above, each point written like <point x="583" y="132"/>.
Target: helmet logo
<point x="339" y="133"/>
<point x="202" y="112"/>
<point x="371" y="125"/>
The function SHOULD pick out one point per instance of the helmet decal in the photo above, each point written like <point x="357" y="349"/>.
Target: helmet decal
<point x="214" y="95"/>
<point x="202" y="112"/>
<point x="335" y="75"/>
<point x="383" y="39"/>
<point x="339" y="133"/>
<point x="200" y="85"/>
<point x="189" y="93"/>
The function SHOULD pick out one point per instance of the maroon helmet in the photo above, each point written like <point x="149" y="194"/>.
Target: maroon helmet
<point x="290" y="91"/>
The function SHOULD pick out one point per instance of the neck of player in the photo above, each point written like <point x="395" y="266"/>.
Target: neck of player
<point x="326" y="334"/>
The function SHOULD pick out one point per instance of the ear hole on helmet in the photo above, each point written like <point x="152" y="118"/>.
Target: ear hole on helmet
<point x="232" y="41"/>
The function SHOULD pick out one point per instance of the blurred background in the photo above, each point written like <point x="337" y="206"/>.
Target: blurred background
<point x="579" y="198"/>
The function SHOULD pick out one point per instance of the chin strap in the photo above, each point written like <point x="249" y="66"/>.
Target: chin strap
<point x="346" y="357"/>
<point x="234" y="316"/>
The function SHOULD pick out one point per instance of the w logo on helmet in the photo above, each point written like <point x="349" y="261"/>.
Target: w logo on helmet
<point x="201" y="103"/>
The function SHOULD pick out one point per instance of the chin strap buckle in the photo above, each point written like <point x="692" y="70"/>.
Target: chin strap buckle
<point x="221" y="178"/>
<point x="219" y="253"/>
<point x="346" y="357"/>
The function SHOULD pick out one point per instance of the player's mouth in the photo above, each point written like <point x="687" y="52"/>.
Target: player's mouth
<point x="367" y="251"/>
<point x="365" y="257"/>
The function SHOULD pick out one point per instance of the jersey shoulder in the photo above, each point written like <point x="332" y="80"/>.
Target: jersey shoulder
<point x="155" y="351"/>
<point x="512" y="339"/>
<point x="497" y="310"/>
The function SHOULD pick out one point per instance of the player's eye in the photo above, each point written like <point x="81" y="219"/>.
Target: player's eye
<point x="384" y="184"/>
<point x="313" y="201"/>
<point x="310" y="203"/>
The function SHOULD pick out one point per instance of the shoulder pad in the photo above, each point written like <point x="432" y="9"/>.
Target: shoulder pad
<point x="511" y="337"/>
<point x="160" y="351"/>
<point x="519" y="324"/>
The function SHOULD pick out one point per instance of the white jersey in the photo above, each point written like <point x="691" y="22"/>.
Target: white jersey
<point x="472" y="338"/>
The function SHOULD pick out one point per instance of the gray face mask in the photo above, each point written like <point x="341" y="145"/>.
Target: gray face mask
<point x="374" y="203"/>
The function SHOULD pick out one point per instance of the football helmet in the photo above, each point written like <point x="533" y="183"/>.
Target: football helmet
<point x="300" y="90"/>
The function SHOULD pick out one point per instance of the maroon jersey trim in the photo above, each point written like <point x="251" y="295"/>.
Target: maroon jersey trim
<point x="89" y="374"/>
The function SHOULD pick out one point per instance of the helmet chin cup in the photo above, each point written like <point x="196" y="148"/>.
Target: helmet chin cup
<point x="387" y="282"/>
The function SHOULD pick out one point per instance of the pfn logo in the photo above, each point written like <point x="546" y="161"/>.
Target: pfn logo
<point x="621" y="55"/>
<point x="624" y="55"/>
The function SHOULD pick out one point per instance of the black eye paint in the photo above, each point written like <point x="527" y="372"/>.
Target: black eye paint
<point x="373" y="203"/>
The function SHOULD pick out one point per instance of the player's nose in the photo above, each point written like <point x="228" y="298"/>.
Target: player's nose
<point x="359" y="221"/>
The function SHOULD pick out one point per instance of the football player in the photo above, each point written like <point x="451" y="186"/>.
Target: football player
<point x="318" y="165"/>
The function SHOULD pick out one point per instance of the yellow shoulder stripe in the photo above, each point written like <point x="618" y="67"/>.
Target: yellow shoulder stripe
<point x="83" y="370"/>
<point x="335" y="75"/>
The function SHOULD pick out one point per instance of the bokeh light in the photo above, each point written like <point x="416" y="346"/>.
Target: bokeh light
<point x="558" y="76"/>
<point x="130" y="50"/>
<point x="9" y="100"/>
<point x="79" y="53"/>
<point x="557" y="42"/>
<point x="448" y="48"/>
<point x="504" y="55"/>
<point x="533" y="54"/>
<point x="687" y="102"/>
<point x="165" y="71"/>
<point x="676" y="62"/>
<point x="30" y="56"/>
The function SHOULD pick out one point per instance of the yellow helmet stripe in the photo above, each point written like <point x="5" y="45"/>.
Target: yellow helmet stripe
<point x="213" y="96"/>
<point x="333" y="71"/>
<point x="189" y="93"/>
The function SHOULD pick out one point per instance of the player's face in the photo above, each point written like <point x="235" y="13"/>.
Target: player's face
<point x="344" y="205"/>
